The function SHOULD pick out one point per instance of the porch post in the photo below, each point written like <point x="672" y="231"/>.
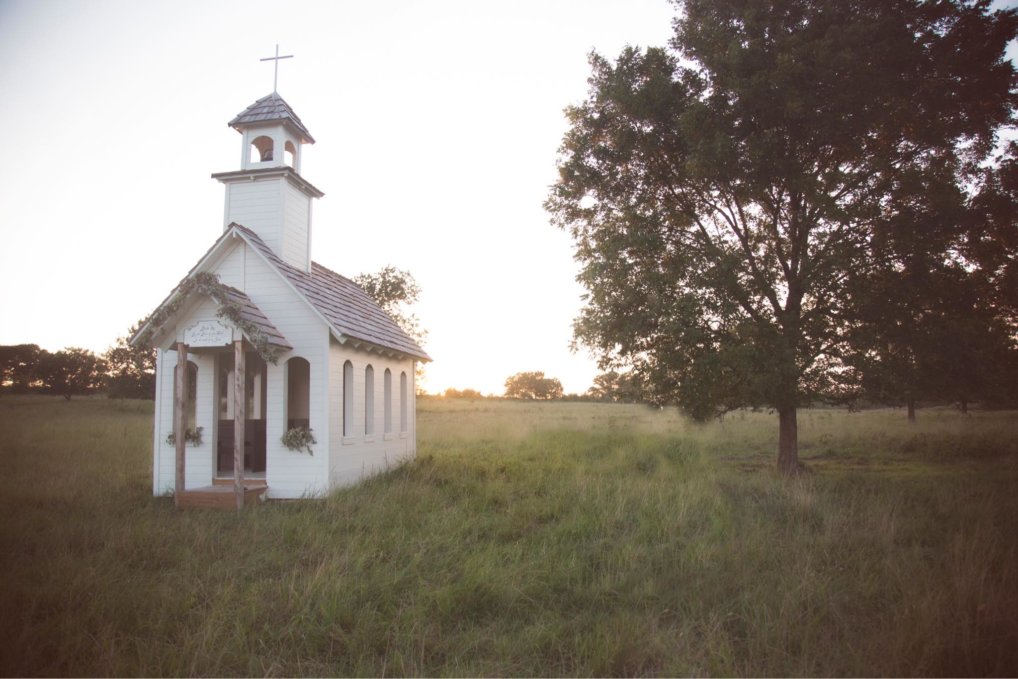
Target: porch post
<point x="239" y="417"/>
<point x="180" y="421"/>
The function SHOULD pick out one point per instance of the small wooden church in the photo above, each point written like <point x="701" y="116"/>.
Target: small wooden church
<point x="275" y="377"/>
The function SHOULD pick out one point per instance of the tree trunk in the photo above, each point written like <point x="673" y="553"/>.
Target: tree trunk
<point x="911" y="409"/>
<point x="788" y="441"/>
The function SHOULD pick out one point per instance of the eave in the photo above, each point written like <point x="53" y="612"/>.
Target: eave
<point x="285" y="171"/>
<point x="372" y="348"/>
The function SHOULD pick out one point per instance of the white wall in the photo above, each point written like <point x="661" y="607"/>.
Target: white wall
<point x="199" y="461"/>
<point x="354" y="457"/>
<point x="163" y="464"/>
<point x="258" y="205"/>
<point x="296" y="228"/>
<point x="232" y="266"/>
<point x="278" y="212"/>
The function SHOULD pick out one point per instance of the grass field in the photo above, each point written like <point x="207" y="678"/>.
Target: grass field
<point x="527" y="539"/>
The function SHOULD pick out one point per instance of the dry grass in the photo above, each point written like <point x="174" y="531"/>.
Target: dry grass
<point x="528" y="539"/>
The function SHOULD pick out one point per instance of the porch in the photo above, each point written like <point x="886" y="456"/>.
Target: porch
<point x="238" y="390"/>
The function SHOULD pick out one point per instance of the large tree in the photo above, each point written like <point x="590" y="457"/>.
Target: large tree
<point x="925" y="325"/>
<point x="72" y="371"/>
<point x="992" y="242"/>
<point x="721" y="192"/>
<point x="131" y="368"/>
<point x="533" y="385"/>
<point x="19" y="366"/>
<point x="616" y="387"/>
<point x="395" y="291"/>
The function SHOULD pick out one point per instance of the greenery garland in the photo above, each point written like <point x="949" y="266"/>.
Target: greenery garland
<point x="206" y="283"/>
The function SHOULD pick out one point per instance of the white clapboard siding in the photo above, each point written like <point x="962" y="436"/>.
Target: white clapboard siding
<point x="199" y="462"/>
<point x="163" y="466"/>
<point x="358" y="455"/>
<point x="336" y="361"/>
<point x="231" y="268"/>
<point x="296" y="228"/>
<point x="258" y="205"/>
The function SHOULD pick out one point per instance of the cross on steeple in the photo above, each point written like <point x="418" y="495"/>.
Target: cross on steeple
<point x="275" y="75"/>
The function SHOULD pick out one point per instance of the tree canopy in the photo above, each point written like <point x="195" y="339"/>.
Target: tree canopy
<point x="470" y="394"/>
<point x="724" y="192"/>
<point x="532" y="385"/>
<point x="131" y="368"/>
<point x="395" y="291"/>
<point x="18" y="367"/>
<point x="68" y="372"/>
<point x="616" y="387"/>
<point x="71" y="372"/>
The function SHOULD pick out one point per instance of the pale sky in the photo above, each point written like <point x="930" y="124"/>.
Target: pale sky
<point x="437" y="126"/>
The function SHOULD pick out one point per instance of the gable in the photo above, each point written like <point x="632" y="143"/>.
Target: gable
<point x="344" y="307"/>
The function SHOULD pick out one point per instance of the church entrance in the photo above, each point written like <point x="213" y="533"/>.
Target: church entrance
<point x="254" y="424"/>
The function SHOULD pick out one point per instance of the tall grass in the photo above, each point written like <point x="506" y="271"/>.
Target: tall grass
<point x="527" y="539"/>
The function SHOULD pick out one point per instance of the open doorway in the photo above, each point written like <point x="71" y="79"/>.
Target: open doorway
<point x="254" y="424"/>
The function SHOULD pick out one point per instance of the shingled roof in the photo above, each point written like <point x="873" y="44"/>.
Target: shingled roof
<point x="271" y="108"/>
<point x="252" y="314"/>
<point x="343" y="304"/>
<point x="348" y="310"/>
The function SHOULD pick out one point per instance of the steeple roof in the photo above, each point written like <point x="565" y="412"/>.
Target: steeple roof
<point x="271" y="108"/>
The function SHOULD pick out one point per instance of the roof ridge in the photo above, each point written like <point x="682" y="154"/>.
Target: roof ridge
<point x="327" y="270"/>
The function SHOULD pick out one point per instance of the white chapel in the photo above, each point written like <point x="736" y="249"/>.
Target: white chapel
<point x="285" y="377"/>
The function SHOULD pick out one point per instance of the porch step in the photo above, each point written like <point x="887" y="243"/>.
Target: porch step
<point x="220" y="496"/>
<point x="248" y="482"/>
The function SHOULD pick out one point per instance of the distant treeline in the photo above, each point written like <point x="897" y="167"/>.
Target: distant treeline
<point x="121" y="371"/>
<point x="474" y="395"/>
<point x="626" y="387"/>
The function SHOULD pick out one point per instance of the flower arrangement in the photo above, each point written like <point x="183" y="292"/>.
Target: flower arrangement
<point x="299" y="438"/>
<point x="192" y="437"/>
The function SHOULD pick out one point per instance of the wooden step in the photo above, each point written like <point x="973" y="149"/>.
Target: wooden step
<point x="220" y="497"/>
<point x="248" y="482"/>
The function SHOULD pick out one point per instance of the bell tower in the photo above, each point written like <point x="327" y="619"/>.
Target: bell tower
<point x="267" y="194"/>
<point x="272" y="134"/>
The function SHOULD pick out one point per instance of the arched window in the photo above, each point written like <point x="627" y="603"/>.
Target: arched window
<point x="191" y="403"/>
<point x="298" y="393"/>
<point x="348" y="399"/>
<point x="402" y="403"/>
<point x="261" y="149"/>
<point x="387" y="400"/>
<point x="369" y="401"/>
<point x="289" y="154"/>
